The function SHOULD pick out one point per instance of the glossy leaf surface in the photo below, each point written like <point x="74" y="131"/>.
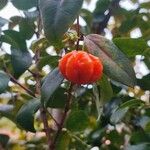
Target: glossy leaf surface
<point x="74" y="122"/>
<point x="25" y="116"/>
<point x="57" y="17"/>
<point x="24" y="4"/>
<point x="116" y="65"/>
<point x="50" y="84"/>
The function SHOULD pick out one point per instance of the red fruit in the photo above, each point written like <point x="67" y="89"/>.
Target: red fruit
<point x="81" y="67"/>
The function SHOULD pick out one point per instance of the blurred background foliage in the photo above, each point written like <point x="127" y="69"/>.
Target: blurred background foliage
<point x="123" y="118"/>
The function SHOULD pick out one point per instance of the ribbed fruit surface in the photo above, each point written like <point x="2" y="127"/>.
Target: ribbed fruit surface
<point x="81" y="67"/>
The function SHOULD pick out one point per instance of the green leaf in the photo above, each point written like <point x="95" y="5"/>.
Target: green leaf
<point x="4" y="79"/>
<point x="57" y="17"/>
<point x="25" y="116"/>
<point x="115" y="137"/>
<point x="131" y="103"/>
<point x="20" y="57"/>
<point x="13" y="38"/>
<point x="118" y="115"/>
<point x="146" y="54"/>
<point x="128" y="24"/>
<point x="21" y="61"/>
<point x="63" y="141"/>
<point x="130" y="47"/>
<point x="3" y="3"/>
<point x="101" y="7"/>
<point x="4" y="140"/>
<point x="49" y="60"/>
<point x="143" y="146"/>
<point x="27" y="28"/>
<point x="145" y="5"/>
<point x="77" y="121"/>
<point x="105" y="88"/>
<point x="51" y="82"/>
<point x="147" y="127"/>
<point x="24" y="4"/>
<point x="108" y="109"/>
<point x="14" y="20"/>
<point x="87" y="16"/>
<point x="98" y="102"/>
<point x="140" y="136"/>
<point x="96" y="135"/>
<point x="41" y="44"/>
<point x="78" y="142"/>
<point x="144" y="83"/>
<point x="116" y="65"/>
<point x="58" y="99"/>
<point x="111" y="106"/>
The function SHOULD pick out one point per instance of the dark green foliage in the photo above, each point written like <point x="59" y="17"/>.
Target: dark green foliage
<point x="116" y="64"/>
<point x="25" y="116"/>
<point x="3" y="3"/>
<point x="4" y="79"/>
<point x="4" y="140"/>
<point x="57" y="17"/>
<point x="21" y="61"/>
<point x="51" y="82"/>
<point x="63" y="141"/>
<point x="77" y="121"/>
<point x="58" y="99"/>
<point x="144" y="83"/>
<point x="24" y="4"/>
<point x="105" y="88"/>
<point x="111" y="113"/>
<point x="131" y="47"/>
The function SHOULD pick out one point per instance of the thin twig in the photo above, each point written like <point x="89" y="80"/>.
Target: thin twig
<point x="79" y="140"/>
<point x="46" y="126"/>
<point x="53" y="119"/>
<point x="38" y="85"/>
<point x="67" y="107"/>
<point x="78" y="32"/>
<point x="33" y="73"/>
<point x="23" y="87"/>
<point x="14" y="80"/>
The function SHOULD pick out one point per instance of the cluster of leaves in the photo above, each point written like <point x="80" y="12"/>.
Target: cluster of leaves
<point x="101" y="114"/>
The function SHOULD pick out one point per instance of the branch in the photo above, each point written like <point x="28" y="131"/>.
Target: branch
<point x="78" y="32"/>
<point x="67" y="107"/>
<point x="53" y="119"/>
<point x="38" y="84"/>
<point x="23" y="87"/>
<point x="46" y="126"/>
<point x="14" y="80"/>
